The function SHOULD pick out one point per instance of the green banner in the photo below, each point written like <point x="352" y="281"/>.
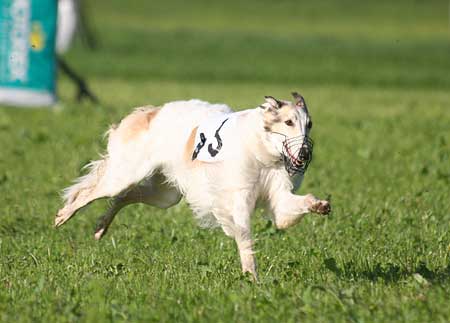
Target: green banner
<point x="27" y="49"/>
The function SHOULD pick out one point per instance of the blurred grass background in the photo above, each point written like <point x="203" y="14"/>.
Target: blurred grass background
<point x="287" y="42"/>
<point x="376" y="79"/>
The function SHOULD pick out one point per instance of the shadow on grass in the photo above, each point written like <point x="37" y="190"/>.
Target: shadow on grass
<point x="389" y="273"/>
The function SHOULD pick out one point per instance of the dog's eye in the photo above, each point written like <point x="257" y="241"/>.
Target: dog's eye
<point x="309" y="125"/>
<point x="289" y="123"/>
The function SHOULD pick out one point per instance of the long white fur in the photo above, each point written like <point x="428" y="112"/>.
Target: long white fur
<point x="152" y="166"/>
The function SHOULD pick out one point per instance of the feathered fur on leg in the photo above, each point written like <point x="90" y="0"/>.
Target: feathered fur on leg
<point x="84" y="191"/>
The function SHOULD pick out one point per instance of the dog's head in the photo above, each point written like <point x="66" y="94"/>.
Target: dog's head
<point x="287" y="126"/>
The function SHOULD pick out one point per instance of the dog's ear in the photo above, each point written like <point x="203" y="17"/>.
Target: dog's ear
<point x="299" y="100"/>
<point x="271" y="103"/>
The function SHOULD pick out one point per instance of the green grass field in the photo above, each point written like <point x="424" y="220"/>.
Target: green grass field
<point x="376" y="78"/>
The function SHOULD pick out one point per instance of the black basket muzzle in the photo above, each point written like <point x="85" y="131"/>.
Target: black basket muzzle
<point x="297" y="154"/>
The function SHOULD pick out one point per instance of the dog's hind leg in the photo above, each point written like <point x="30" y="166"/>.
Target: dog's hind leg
<point x="105" y="220"/>
<point x="125" y="165"/>
<point x="153" y="191"/>
<point x="83" y="192"/>
<point x="107" y="178"/>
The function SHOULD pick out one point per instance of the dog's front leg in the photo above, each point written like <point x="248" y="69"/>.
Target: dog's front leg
<point x="289" y="208"/>
<point x="243" y="203"/>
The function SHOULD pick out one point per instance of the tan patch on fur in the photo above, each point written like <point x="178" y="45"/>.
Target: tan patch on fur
<point x="136" y="123"/>
<point x="243" y="114"/>
<point x="189" y="149"/>
<point x="273" y="116"/>
<point x="270" y="119"/>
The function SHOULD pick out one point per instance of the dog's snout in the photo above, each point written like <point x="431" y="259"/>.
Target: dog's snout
<point x="297" y="154"/>
<point x="303" y="154"/>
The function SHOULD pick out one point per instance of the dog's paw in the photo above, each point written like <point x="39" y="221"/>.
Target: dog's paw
<point x="321" y="207"/>
<point x="59" y="218"/>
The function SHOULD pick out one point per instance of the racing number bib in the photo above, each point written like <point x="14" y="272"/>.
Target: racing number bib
<point x="213" y="138"/>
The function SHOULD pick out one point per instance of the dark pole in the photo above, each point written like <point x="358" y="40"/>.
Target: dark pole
<point x="83" y="90"/>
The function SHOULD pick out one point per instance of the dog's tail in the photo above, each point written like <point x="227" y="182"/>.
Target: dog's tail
<point x="84" y="185"/>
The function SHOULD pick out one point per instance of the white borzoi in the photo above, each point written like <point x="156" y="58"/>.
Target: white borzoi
<point x="221" y="161"/>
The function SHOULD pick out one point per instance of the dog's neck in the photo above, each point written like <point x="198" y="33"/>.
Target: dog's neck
<point x="257" y="141"/>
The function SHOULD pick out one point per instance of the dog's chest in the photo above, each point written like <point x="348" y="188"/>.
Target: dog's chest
<point x="215" y="138"/>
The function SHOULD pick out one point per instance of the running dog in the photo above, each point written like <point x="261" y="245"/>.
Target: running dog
<point x="222" y="162"/>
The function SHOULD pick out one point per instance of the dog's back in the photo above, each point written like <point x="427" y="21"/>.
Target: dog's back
<point x="148" y="140"/>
